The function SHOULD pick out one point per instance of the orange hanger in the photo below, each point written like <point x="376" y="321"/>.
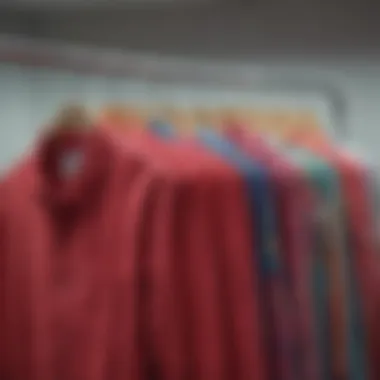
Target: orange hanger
<point x="154" y="112"/>
<point x="124" y="117"/>
<point x="308" y="131"/>
<point x="279" y="121"/>
<point x="230" y="115"/>
<point x="113" y="114"/>
<point x="257" y="120"/>
<point x="274" y="122"/>
<point x="182" y="119"/>
<point x="207" y="117"/>
<point x="249" y="118"/>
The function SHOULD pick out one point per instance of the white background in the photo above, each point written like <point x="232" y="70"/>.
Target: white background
<point x="29" y="97"/>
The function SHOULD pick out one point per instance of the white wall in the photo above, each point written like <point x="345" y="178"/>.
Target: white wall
<point x="321" y="39"/>
<point x="29" y="97"/>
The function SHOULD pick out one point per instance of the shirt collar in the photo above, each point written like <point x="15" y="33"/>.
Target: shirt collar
<point x="73" y="167"/>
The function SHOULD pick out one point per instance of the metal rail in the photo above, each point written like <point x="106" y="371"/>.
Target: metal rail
<point x="160" y="69"/>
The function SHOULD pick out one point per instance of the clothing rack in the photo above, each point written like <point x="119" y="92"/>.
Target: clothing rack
<point x="168" y="70"/>
<point x="278" y="272"/>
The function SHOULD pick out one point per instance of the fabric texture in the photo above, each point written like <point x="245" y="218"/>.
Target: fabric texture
<point x="364" y="257"/>
<point x="136" y="253"/>
<point x="324" y="180"/>
<point x="294" y="206"/>
<point x="216" y="250"/>
<point x="274" y="299"/>
<point x="69" y="279"/>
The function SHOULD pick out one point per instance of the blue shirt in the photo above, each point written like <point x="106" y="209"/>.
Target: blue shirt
<point x="260" y="196"/>
<point x="162" y="129"/>
<point x="325" y="181"/>
<point x="261" y="204"/>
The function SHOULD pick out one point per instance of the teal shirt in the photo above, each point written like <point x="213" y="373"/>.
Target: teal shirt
<point x="325" y="181"/>
<point x="318" y="176"/>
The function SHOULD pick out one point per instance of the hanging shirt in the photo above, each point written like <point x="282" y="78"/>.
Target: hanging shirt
<point x="294" y="209"/>
<point x="358" y="359"/>
<point x="364" y="256"/>
<point x="69" y="307"/>
<point x="329" y="213"/>
<point x="261" y="205"/>
<point x="223" y="331"/>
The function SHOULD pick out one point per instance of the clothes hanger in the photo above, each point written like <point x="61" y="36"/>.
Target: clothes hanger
<point x="136" y="116"/>
<point x="71" y="118"/>
<point x="231" y="115"/>
<point x="305" y="126"/>
<point x="276" y="126"/>
<point x="265" y="122"/>
<point x="164" y="113"/>
<point x="207" y="117"/>
<point x="180" y="118"/>
<point x="256" y="120"/>
<point x="125" y="117"/>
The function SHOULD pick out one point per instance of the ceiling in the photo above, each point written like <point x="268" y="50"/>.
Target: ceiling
<point x="225" y="29"/>
<point x="91" y="4"/>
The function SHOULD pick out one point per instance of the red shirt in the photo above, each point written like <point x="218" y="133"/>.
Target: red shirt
<point x="71" y="264"/>
<point x="365" y="255"/>
<point x="215" y="284"/>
